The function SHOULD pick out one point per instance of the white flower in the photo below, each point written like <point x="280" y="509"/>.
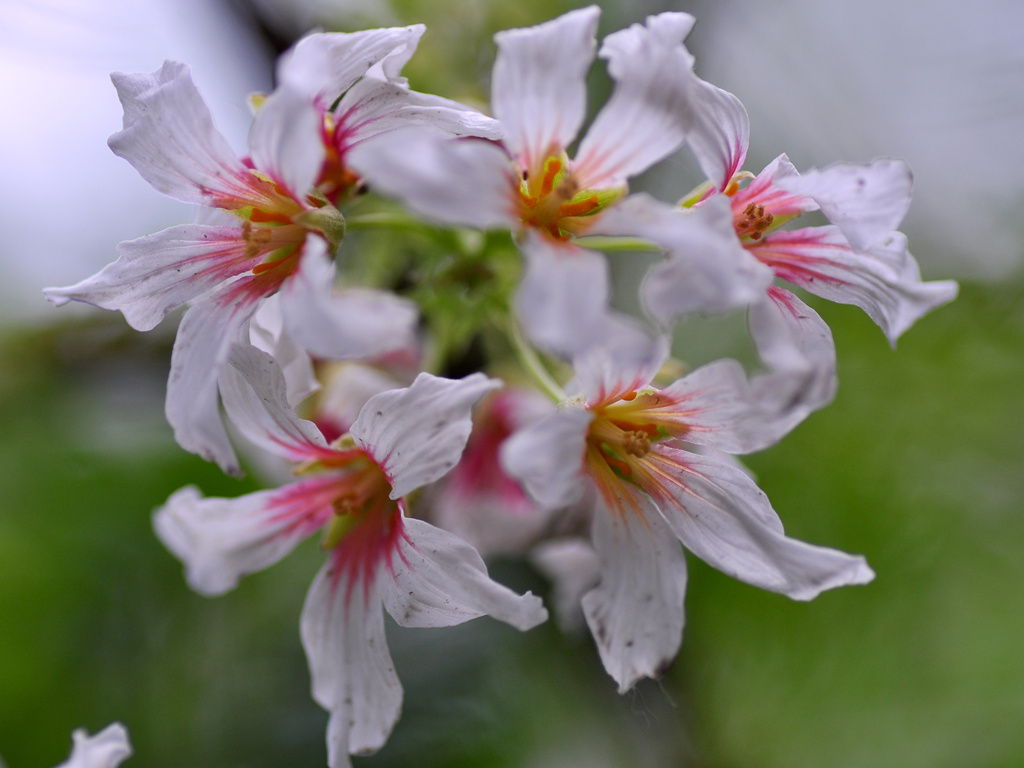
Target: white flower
<point x="529" y="182"/>
<point x="860" y="259"/>
<point x="268" y="230"/>
<point x="353" y="490"/>
<point x="650" y="454"/>
<point x="107" y="749"/>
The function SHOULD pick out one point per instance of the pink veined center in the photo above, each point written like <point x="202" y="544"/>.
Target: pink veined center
<point x="366" y="527"/>
<point x="620" y="440"/>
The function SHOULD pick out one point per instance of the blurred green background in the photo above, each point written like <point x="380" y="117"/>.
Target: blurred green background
<point x="917" y="465"/>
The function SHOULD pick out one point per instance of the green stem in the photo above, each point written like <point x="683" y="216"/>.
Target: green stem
<point x="532" y="363"/>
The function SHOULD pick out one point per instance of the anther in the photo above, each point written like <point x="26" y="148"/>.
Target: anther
<point x="636" y="444"/>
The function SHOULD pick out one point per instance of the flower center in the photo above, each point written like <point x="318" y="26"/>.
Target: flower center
<point x="551" y="199"/>
<point x="753" y="222"/>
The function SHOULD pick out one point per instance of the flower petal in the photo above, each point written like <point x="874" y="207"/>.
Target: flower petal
<point x="647" y="116"/>
<point x="626" y="361"/>
<point x="354" y="679"/>
<point x="417" y="434"/>
<point x="169" y="137"/>
<point x="796" y="346"/>
<point x="346" y="325"/>
<point x="201" y="348"/>
<point x="374" y="107"/>
<point x="442" y="581"/>
<point x="539" y="84"/>
<point x="563" y="299"/>
<point x="255" y="396"/>
<point x="721" y="516"/>
<point x="222" y="540"/>
<point x="330" y="63"/>
<point x="883" y="281"/>
<point x="574" y="569"/>
<point x="867" y="202"/>
<point x="107" y="749"/>
<point x="286" y="140"/>
<point x="466" y="182"/>
<point x="158" y="273"/>
<point x="266" y="332"/>
<point x="547" y="456"/>
<point x="720" y="132"/>
<point x="636" y="612"/>
<point x="707" y="269"/>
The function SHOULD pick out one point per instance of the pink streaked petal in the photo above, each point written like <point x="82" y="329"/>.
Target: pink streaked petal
<point x="720" y="132"/>
<point x="883" y="281"/>
<point x="768" y="189"/>
<point x="796" y="346"/>
<point x="417" y="434"/>
<point x="867" y="202"/>
<point x="636" y="612"/>
<point x="107" y="749"/>
<point x="169" y="137"/>
<point x="158" y="273"/>
<point x="350" y="665"/>
<point x="625" y="362"/>
<point x="221" y="540"/>
<point x="711" y="407"/>
<point x="255" y="397"/>
<point x="706" y="268"/>
<point x="539" y="84"/>
<point x="466" y="182"/>
<point x="647" y="116"/>
<point x="374" y="107"/>
<point x="286" y="141"/>
<point x="721" y="516"/>
<point x="547" y="457"/>
<point x="440" y="581"/>
<point x="562" y="301"/>
<point x="342" y="325"/>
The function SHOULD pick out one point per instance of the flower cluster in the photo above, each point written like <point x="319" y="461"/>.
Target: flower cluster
<point x="566" y="438"/>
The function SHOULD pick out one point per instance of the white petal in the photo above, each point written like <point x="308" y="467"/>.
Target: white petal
<point x="375" y="107"/>
<point x="345" y="325"/>
<point x="169" y="137"/>
<point x="636" y="612"/>
<point x="255" y="396"/>
<point x="107" y="749"/>
<point x="547" y="457"/>
<point x="158" y="273"/>
<point x="354" y="679"/>
<point x="222" y="540"/>
<point x="796" y="346"/>
<point x="715" y="404"/>
<point x="646" y="118"/>
<point x="866" y="202"/>
<point x="574" y="569"/>
<point x="624" y="362"/>
<point x="707" y="269"/>
<point x="562" y="301"/>
<point x="721" y="516"/>
<point x="201" y="348"/>
<point x="467" y="182"/>
<point x="329" y="64"/>
<point x="539" y="84"/>
<point x="440" y="580"/>
<point x="720" y="132"/>
<point x="266" y="332"/>
<point x="417" y="434"/>
<point x="286" y="140"/>
<point x="884" y="281"/>
<point x="346" y="389"/>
